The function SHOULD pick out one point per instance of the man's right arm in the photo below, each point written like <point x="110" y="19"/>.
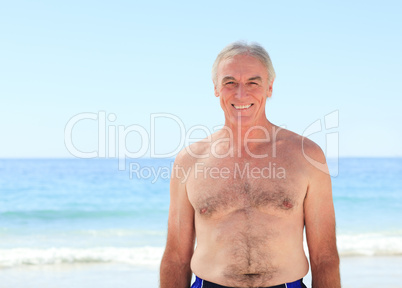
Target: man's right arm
<point x="175" y="271"/>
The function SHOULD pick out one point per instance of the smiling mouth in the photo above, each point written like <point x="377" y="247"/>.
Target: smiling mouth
<point x="242" y="107"/>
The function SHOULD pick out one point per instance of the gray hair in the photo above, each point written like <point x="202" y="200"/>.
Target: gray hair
<point x="241" y="48"/>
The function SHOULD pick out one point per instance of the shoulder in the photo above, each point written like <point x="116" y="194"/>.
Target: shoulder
<point x="190" y="154"/>
<point x="199" y="150"/>
<point x="300" y="148"/>
<point x="187" y="159"/>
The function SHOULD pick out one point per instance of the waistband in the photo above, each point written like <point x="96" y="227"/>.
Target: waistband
<point x="200" y="283"/>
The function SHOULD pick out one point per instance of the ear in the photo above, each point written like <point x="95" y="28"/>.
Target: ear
<point x="269" y="90"/>
<point x="216" y="92"/>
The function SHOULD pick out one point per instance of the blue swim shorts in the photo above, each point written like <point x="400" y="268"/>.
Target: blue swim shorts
<point x="200" y="283"/>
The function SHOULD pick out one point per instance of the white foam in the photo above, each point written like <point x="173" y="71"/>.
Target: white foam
<point x="367" y="244"/>
<point x="370" y="244"/>
<point x="141" y="256"/>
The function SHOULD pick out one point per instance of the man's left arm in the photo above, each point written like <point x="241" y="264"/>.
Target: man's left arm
<point x="319" y="217"/>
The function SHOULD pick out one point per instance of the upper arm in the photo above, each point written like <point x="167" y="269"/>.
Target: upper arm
<point x="181" y="231"/>
<point x="319" y="214"/>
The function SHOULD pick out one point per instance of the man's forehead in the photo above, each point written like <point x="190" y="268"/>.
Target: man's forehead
<point x="241" y="64"/>
<point x="246" y="58"/>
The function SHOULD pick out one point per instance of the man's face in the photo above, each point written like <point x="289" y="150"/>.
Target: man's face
<point x="242" y="85"/>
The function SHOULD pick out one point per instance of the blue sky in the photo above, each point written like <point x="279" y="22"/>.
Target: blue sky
<point x="132" y="59"/>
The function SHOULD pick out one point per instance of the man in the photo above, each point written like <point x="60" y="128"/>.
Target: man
<point x="247" y="192"/>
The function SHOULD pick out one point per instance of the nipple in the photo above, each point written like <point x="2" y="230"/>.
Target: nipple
<point x="286" y="203"/>
<point x="203" y="210"/>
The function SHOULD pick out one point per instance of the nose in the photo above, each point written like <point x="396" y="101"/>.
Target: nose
<point x="241" y="91"/>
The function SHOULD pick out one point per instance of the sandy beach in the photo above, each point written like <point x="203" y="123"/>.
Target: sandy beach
<point x="356" y="272"/>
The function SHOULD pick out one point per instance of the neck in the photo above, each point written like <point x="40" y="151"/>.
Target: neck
<point x="247" y="138"/>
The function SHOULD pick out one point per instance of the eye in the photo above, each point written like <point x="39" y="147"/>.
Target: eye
<point x="230" y="83"/>
<point x="253" y="85"/>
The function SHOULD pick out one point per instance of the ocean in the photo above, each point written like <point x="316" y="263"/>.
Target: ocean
<point x="83" y="213"/>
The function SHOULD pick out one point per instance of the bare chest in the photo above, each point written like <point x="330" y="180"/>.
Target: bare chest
<point x="218" y="190"/>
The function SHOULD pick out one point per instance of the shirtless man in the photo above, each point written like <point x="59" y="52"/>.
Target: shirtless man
<point x="247" y="192"/>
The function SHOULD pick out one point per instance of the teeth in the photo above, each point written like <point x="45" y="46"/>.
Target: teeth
<point x="242" y="106"/>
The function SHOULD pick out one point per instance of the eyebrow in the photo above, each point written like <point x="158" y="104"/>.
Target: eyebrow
<point x="226" y="78"/>
<point x="258" y="78"/>
<point x="255" y="78"/>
